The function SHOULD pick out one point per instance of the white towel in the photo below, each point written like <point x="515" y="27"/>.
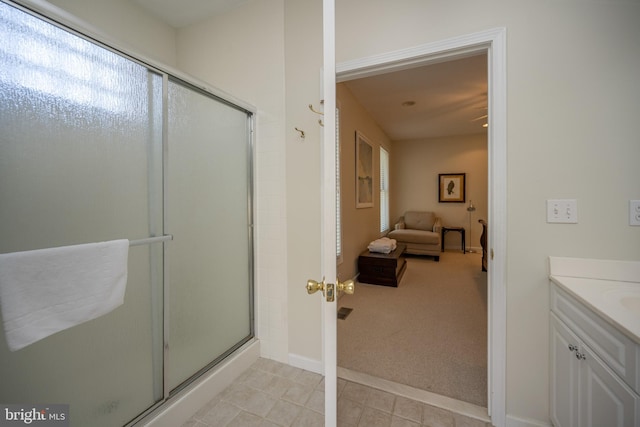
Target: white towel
<point x="383" y="245"/>
<point x="49" y="290"/>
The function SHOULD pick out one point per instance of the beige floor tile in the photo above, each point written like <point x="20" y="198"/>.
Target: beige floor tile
<point x="309" y="418"/>
<point x="403" y="422"/>
<point x="436" y="417"/>
<point x="381" y="400"/>
<point x="356" y="392"/>
<point x="254" y="401"/>
<point x="316" y="401"/>
<point x="220" y="414"/>
<point x="273" y="394"/>
<point x="283" y="413"/>
<point x="349" y="412"/>
<point x="258" y="379"/>
<point x="245" y="419"/>
<point x="409" y="409"/>
<point x="307" y="378"/>
<point x="298" y="393"/>
<point x="278" y="386"/>
<point x="193" y="423"/>
<point x="374" y="418"/>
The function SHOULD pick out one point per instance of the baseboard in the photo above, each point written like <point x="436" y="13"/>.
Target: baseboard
<point x="525" y="422"/>
<point x="306" y="363"/>
<point x="177" y="410"/>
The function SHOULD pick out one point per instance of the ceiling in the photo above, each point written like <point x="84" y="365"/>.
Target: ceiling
<point x="449" y="98"/>
<point x="182" y="13"/>
<point x="446" y="98"/>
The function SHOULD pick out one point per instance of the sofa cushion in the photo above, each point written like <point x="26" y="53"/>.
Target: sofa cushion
<point x="415" y="236"/>
<point x="419" y="220"/>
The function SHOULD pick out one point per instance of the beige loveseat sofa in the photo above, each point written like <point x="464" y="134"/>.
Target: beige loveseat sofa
<point x="420" y="231"/>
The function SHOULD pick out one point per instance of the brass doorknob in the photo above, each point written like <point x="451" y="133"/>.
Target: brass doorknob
<point x="347" y="287"/>
<point x="328" y="289"/>
<point x="313" y="286"/>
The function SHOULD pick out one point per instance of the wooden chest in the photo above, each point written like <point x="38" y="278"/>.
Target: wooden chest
<point x="382" y="269"/>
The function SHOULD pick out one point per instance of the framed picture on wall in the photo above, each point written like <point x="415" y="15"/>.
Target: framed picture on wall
<point x="364" y="172"/>
<point x="451" y="187"/>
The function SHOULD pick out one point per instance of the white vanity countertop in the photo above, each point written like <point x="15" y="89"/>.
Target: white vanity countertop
<point x="610" y="288"/>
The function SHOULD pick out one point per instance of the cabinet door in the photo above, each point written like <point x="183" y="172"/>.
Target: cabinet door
<point x="564" y="375"/>
<point x="604" y="399"/>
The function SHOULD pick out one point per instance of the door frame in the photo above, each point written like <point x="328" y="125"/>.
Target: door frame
<point x="493" y="42"/>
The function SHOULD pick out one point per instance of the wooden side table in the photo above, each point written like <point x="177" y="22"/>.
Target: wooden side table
<point x="460" y="230"/>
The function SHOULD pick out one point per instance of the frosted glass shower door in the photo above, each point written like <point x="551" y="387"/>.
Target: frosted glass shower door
<point x="81" y="162"/>
<point x="209" y="215"/>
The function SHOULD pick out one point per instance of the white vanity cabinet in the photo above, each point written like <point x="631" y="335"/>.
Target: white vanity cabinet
<point x="594" y="368"/>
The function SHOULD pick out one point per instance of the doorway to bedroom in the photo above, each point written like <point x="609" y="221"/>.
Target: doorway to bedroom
<point x="431" y="332"/>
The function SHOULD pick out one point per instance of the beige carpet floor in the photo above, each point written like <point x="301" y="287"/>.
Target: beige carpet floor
<point x="430" y="332"/>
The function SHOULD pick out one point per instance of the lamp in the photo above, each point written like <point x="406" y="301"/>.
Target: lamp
<point x="470" y="209"/>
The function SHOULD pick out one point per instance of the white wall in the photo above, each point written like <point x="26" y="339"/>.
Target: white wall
<point x="303" y="64"/>
<point x="573" y="99"/>
<point x="415" y="166"/>
<point x="127" y="24"/>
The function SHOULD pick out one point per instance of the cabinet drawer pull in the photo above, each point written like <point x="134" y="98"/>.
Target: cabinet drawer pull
<point x="580" y="356"/>
<point x="572" y="347"/>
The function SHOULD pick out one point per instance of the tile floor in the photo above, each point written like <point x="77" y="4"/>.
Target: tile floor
<point x="271" y="394"/>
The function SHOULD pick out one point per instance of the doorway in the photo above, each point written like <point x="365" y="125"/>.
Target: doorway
<point x="493" y="43"/>
<point x="429" y="332"/>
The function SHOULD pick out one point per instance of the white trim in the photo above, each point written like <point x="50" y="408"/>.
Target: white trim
<point x="497" y="233"/>
<point x="177" y="410"/>
<point x="461" y="46"/>
<point x="493" y="42"/>
<point x="302" y="362"/>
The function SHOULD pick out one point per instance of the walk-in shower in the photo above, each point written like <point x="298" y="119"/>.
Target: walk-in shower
<point x="96" y="146"/>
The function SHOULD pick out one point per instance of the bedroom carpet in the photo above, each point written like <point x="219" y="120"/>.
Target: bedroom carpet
<point x="429" y="333"/>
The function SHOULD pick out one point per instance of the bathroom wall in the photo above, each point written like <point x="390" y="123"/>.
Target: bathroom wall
<point x="128" y="25"/>
<point x="303" y="68"/>
<point x="572" y="133"/>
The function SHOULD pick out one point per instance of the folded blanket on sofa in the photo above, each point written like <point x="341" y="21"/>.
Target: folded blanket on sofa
<point x="383" y="245"/>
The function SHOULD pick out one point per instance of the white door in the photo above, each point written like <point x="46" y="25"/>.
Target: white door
<point x="328" y="169"/>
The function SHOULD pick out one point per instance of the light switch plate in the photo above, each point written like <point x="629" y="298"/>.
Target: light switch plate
<point x="563" y="211"/>
<point x="634" y="212"/>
